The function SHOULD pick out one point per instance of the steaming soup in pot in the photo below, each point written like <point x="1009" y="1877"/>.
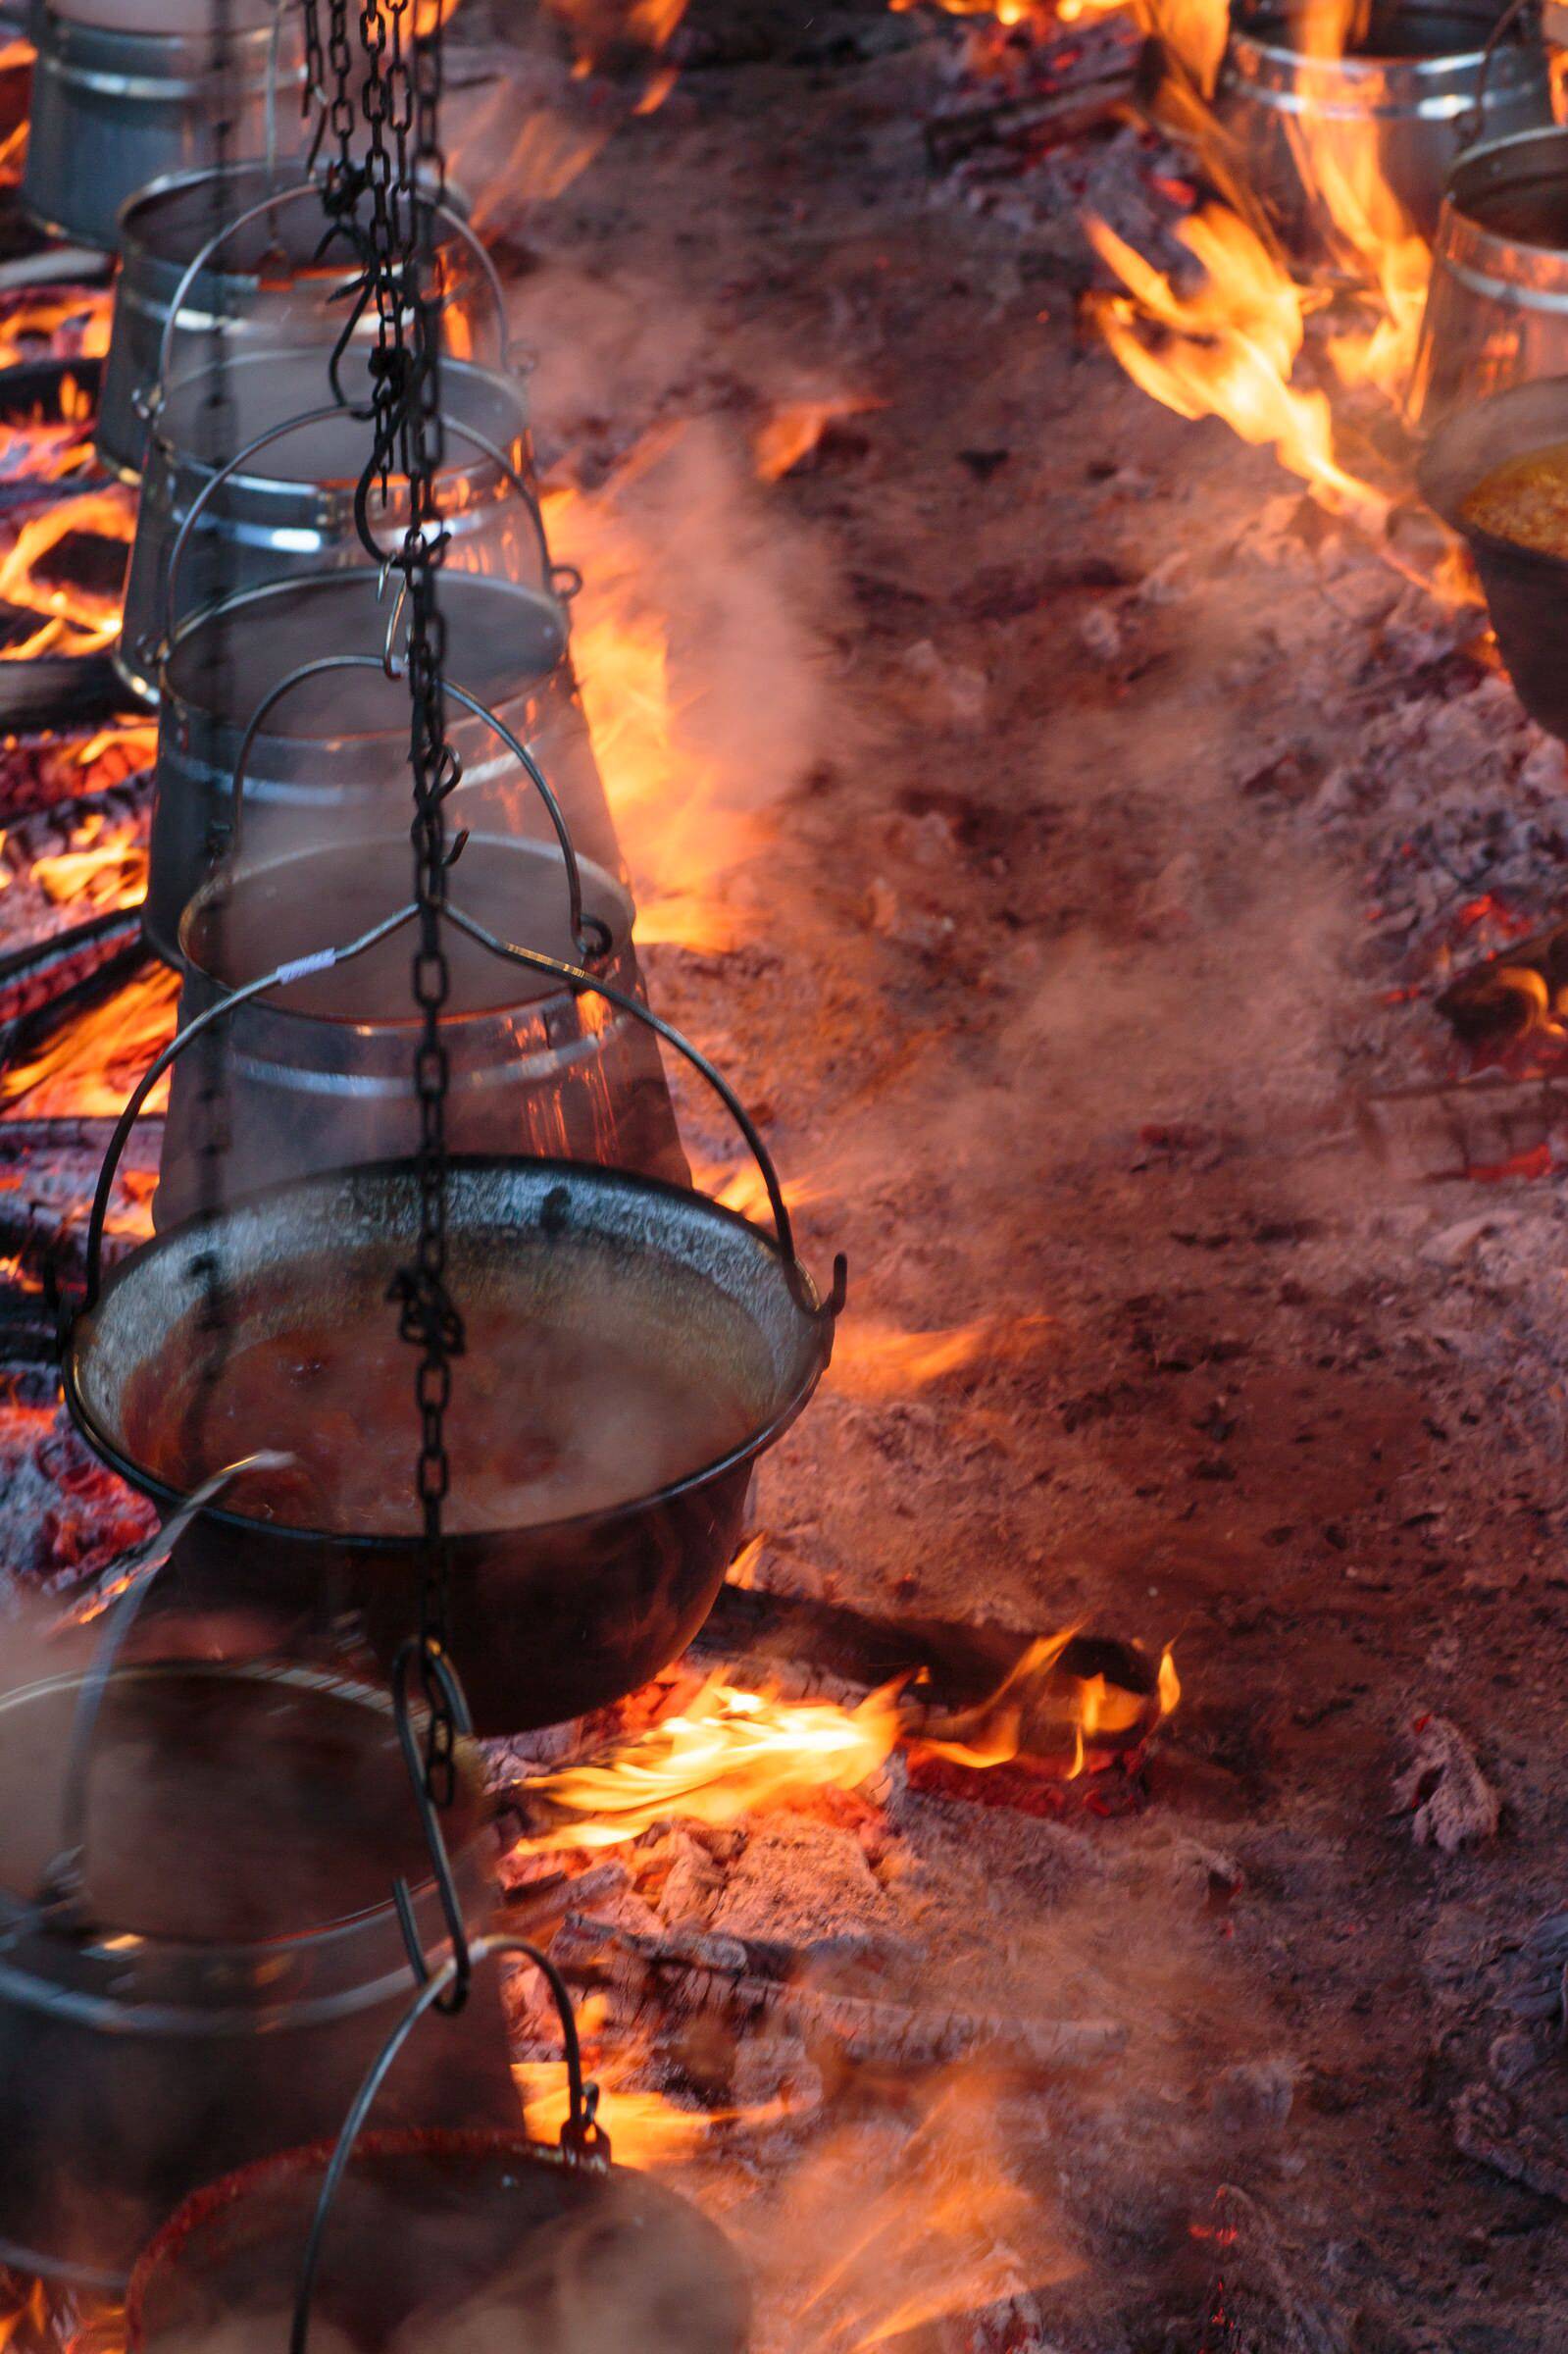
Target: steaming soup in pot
<point x="1525" y="500"/>
<point x="578" y="1390"/>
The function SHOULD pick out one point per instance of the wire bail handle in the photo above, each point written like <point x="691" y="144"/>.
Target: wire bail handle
<point x="559" y="581"/>
<point x="584" y="2142"/>
<point x="1470" y="123"/>
<point x="64" y="1880"/>
<point x="824" y="1311"/>
<point x="292" y="195"/>
<point x="591" y="935"/>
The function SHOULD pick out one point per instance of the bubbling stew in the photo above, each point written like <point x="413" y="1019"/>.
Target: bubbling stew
<point x="565" y="1401"/>
<point x="1526" y="502"/>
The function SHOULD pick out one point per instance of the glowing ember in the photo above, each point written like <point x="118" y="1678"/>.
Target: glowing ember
<point x="71" y="620"/>
<point x="88" y="1065"/>
<point x="71" y="323"/>
<point x="727" y="1753"/>
<point x="106" y="866"/>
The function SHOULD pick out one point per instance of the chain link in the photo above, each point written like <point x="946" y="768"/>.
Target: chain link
<point x="404" y="172"/>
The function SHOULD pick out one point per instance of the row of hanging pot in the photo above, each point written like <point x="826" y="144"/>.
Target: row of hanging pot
<point x="227" y="1941"/>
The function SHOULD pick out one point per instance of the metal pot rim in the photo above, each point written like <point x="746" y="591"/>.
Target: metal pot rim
<point x="361" y="581"/>
<point x="171" y="1952"/>
<point x="461" y="463"/>
<point x="214" y="2198"/>
<point x="1365" y="65"/>
<point x="539" y="1533"/>
<point x="134" y="252"/>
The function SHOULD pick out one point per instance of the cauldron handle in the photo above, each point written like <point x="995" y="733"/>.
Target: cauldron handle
<point x="460" y="695"/>
<point x="577" y="981"/>
<point x="64" y="1877"/>
<point x="1469" y="126"/>
<point x="299" y="968"/>
<point x="554" y="575"/>
<point x="583" y="2141"/>
<point x="292" y="195"/>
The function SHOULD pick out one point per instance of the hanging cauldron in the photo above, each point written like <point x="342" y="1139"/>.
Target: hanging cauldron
<point x="261" y="273"/>
<point x="278" y="499"/>
<point x="127" y="91"/>
<point x="1413" y="89"/>
<point x="1497" y="304"/>
<point x="315" y="1076"/>
<point x="215" y="1985"/>
<point x="1527" y="588"/>
<point x="470" y="2238"/>
<point x="669" y="1342"/>
<point x="336" y="759"/>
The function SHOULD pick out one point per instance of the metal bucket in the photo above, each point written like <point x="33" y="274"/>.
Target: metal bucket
<point x="1497" y="305"/>
<point x="336" y="759"/>
<point x="1416" y="92"/>
<point x="535" y="2235"/>
<point x="315" y="1076"/>
<point x="263" y="490"/>
<point x="496" y="2237"/>
<point x="1527" y="589"/>
<point x="127" y="92"/>
<point x="242" y="247"/>
<point x="199" y="2007"/>
<point x="550" y="1616"/>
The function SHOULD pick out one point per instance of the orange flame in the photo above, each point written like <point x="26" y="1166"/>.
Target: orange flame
<point x="727" y="1753"/>
<point x="88" y="1066"/>
<point x="872" y="1360"/>
<point x="71" y="620"/>
<point x="794" y="431"/>
<point x="1230" y="349"/>
<point x="667" y="794"/>
<point x="105" y="867"/>
<point x="72" y="325"/>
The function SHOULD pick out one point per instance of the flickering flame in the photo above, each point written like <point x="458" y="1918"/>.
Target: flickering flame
<point x="947" y="2231"/>
<point x="1042" y="1710"/>
<point x="72" y="324"/>
<point x="680" y="841"/>
<point x="601" y="29"/>
<point x="873" y="1360"/>
<point x="88" y="1065"/>
<point x="105" y="867"/>
<point x="792" y="432"/>
<point x="1229" y="348"/>
<point x="1232" y="347"/>
<point x="727" y="1753"/>
<point x="71" y="620"/>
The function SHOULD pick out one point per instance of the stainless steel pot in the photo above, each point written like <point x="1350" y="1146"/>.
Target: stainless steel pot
<point x="1527" y="589"/>
<point x="548" y="1620"/>
<point x="255" y="490"/>
<point x="234" y="1960"/>
<point x="336" y="759"/>
<point x="127" y="92"/>
<point x="1413" y="95"/>
<point x="1497" y="305"/>
<point x="243" y="248"/>
<point x="315" y="1076"/>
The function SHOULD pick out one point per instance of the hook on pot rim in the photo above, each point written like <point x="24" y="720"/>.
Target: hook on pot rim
<point x="584" y="2140"/>
<point x="292" y="195"/>
<point x="825" y="1310"/>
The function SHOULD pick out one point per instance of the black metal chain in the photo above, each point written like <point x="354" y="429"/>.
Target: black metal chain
<point x="405" y="174"/>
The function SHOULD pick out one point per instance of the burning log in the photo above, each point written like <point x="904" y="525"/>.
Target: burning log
<point x="1028" y="125"/>
<point x="83" y="753"/>
<point x="695" y="1971"/>
<point x="55" y="971"/>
